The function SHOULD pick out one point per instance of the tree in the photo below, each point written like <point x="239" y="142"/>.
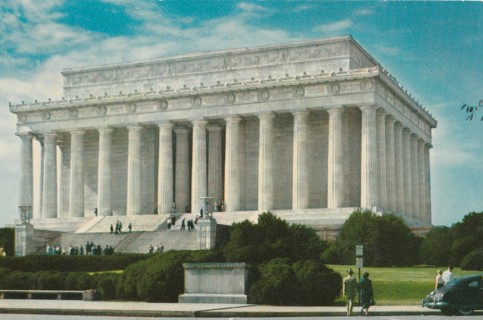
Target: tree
<point x="386" y="239"/>
<point x="467" y="236"/>
<point x="472" y="110"/>
<point x="272" y="238"/>
<point x="436" y="247"/>
<point x="7" y="240"/>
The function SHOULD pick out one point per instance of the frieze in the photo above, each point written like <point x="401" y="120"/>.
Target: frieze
<point x="263" y="95"/>
<point x="22" y="117"/>
<point x="203" y="64"/>
<point x="131" y="107"/>
<point x="46" y="115"/>
<point x="299" y="91"/>
<point x="230" y="98"/>
<point x="196" y="101"/>
<point x="162" y="105"/>
<point x="334" y="88"/>
<point x="101" y="110"/>
<point x="73" y="113"/>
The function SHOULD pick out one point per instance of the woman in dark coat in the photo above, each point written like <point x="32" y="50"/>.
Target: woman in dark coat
<point x="367" y="297"/>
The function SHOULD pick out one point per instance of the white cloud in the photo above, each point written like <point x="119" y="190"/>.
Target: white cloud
<point x="251" y="7"/>
<point x="363" y="12"/>
<point x="334" y="27"/>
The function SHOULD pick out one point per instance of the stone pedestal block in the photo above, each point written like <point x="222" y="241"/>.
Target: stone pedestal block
<point x="23" y="235"/>
<point x="207" y="233"/>
<point x="214" y="283"/>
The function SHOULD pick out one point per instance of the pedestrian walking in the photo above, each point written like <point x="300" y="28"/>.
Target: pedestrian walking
<point x="349" y="290"/>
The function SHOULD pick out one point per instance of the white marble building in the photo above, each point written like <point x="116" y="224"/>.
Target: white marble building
<point x="315" y="128"/>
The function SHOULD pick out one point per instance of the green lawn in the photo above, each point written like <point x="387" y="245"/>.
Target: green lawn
<point x="400" y="286"/>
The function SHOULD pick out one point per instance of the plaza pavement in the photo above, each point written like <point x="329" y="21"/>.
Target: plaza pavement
<point x="143" y="309"/>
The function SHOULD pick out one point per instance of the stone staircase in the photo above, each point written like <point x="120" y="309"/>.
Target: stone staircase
<point x="148" y="222"/>
<point x="41" y="238"/>
<point x="173" y="239"/>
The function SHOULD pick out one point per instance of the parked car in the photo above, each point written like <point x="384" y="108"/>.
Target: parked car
<point x="463" y="295"/>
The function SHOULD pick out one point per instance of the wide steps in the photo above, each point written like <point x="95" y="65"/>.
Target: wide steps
<point x="148" y="222"/>
<point x="173" y="239"/>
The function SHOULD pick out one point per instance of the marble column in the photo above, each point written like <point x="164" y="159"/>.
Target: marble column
<point x="40" y="201"/>
<point x="408" y="193"/>
<point x="422" y="182"/>
<point x="134" y="171"/>
<point x="165" y="168"/>
<point x="26" y="172"/>
<point x="104" y="179"/>
<point x="335" y="174"/>
<point x="399" y="168"/>
<point x="390" y="165"/>
<point x="76" y="199"/>
<point x="199" y="183"/>
<point x="415" y="177"/>
<point x="381" y="159"/>
<point x="300" y="184"/>
<point x="369" y="184"/>
<point x="182" y="170"/>
<point x="49" y="196"/>
<point x="265" y="163"/>
<point x="232" y="164"/>
<point x="427" y="176"/>
<point x="215" y="162"/>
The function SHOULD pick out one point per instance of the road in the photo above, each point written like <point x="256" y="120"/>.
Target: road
<point x="54" y="317"/>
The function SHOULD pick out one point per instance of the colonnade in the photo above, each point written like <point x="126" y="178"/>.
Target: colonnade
<point x="394" y="166"/>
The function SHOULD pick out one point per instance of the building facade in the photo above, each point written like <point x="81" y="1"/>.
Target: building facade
<point x="302" y="128"/>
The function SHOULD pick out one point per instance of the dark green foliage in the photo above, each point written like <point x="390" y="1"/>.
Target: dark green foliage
<point x="7" y="240"/>
<point x="106" y="285"/>
<point x="468" y="236"/>
<point x="19" y="280"/>
<point x="473" y="260"/>
<point x="436" y="247"/>
<point x="307" y="282"/>
<point x="67" y="263"/>
<point x="277" y="284"/>
<point x="161" y="277"/>
<point x="319" y="285"/>
<point x="386" y="239"/>
<point x="78" y="281"/>
<point x="272" y="238"/>
<point x="51" y="280"/>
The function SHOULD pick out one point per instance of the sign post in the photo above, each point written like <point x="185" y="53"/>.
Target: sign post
<point x="359" y="263"/>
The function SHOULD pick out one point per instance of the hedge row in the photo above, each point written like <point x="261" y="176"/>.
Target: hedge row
<point x="64" y="263"/>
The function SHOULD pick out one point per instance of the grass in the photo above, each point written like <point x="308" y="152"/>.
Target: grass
<point x="400" y="286"/>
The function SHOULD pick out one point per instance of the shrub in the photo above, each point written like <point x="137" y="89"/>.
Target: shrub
<point x="19" y="280"/>
<point x="106" y="285"/>
<point x="271" y="238"/>
<point x="51" y="280"/>
<point x="277" y="284"/>
<point x="78" y="281"/>
<point x="436" y="247"/>
<point x="34" y="263"/>
<point x="319" y="284"/>
<point x="306" y="282"/>
<point x="473" y="261"/>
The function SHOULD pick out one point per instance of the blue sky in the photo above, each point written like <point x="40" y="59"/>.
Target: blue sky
<point x="434" y="49"/>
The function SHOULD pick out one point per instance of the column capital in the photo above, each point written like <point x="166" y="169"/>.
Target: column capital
<point x="414" y="135"/>
<point x="233" y="119"/>
<point x="24" y="135"/>
<point x="421" y="141"/>
<point x="336" y="110"/>
<point x="406" y="131"/>
<point x="166" y="124"/>
<point x="390" y="118"/>
<point x="267" y="116"/>
<point x="105" y="130"/>
<point x="368" y="107"/>
<point x="398" y="125"/>
<point x="428" y="145"/>
<point x="77" y="132"/>
<point x="135" y="127"/>
<point x="301" y="113"/>
<point x="199" y="122"/>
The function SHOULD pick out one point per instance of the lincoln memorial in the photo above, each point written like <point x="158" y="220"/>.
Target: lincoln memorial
<point x="310" y="131"/>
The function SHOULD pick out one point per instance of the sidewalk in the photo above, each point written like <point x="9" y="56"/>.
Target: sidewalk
<point x="143" y="309"/>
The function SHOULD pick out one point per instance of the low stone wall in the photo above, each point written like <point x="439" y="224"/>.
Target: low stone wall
<point x="215" y="283"/>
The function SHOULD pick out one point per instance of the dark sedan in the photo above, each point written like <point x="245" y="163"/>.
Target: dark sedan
<point x="463" y="295"/>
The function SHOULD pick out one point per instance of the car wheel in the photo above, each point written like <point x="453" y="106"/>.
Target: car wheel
<point x="449" y="311"/>
<point x="465" y="311"/>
